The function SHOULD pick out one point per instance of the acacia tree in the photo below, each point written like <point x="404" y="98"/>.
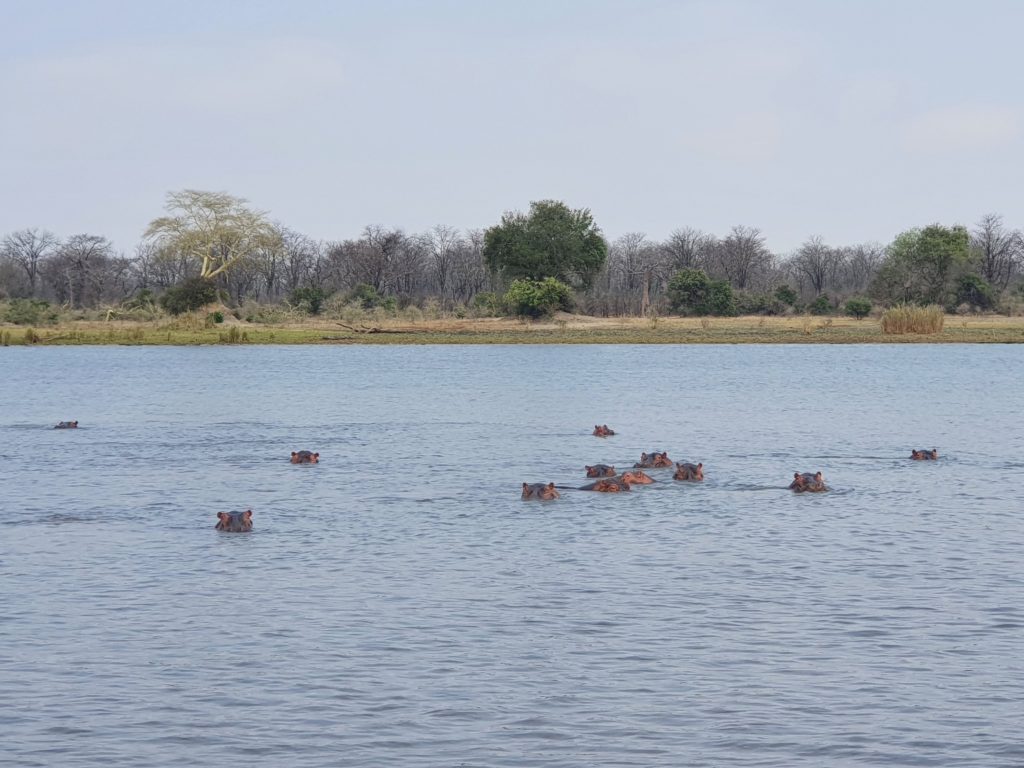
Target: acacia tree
<point x="214" y="228"/>
<point x="552" y="240"/>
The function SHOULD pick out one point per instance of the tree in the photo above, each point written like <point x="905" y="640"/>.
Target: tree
<point x="538" y="298"/>
<point x="741" y="257"/>
<point x="999" y="253"/>
<point x="817" y="263"/>
<point x="692" y="292"/>
<point x="214" y="228"/>
<point x="687" y="249"/>
<point x="29" y="248"/>
<point x="553" y="240"/>
<point x="920" y="265"/>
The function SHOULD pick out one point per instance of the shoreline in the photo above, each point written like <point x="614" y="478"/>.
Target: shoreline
<point x="563" y="329"/>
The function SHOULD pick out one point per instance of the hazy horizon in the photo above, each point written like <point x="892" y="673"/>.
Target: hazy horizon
<point x="849" y="121"/>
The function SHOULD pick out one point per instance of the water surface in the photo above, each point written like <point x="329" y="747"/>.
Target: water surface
<point x="399" y="605"/>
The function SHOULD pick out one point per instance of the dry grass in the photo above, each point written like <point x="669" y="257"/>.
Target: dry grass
<point x="907" y="318"/>
<point x="563" y="329"/>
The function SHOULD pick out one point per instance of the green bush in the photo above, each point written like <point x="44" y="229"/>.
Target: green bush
<point x="308" y="299"/>
<point x="858" y="307"/>
<point x="692" y="292"/>
<point x="759" y="304"/>
<point x="217" y="317"/>
<point x="786" y="295"/>
<point x="30" y="312"/>
<point x="538" y="298"/>
<point x="973" y="290"/>
<point x="367" y="297"/>
<point x="487" y="303"/>
<point x="194" y="293"/>
<point x="820" y="306"/>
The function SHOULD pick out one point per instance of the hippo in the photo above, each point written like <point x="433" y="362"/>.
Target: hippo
<point x="602" y="430"/>
<point x="305" y="457"/>
<point x="67" y="425"/>
<point x="924" y="454"/>
<point x="687" y="471"/>
<point x="807" y="482"/>
<point x="636" y="477"/>
<point x="540" y="491"/>
<point x="235" y="522"/>
<point x="600" y="470"/>
<point x="653" y="460"/>
<point x="607" y="485"/>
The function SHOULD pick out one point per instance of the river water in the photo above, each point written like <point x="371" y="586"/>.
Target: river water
<point x="399" y="604"/>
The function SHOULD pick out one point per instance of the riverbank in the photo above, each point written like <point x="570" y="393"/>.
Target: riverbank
<point x="563" y="329"/>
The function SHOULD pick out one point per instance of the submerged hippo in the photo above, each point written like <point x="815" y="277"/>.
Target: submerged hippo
<point x="540" y="491"/>
<point x="602" y="430"/>
<point x="924" y="454"/>
<point x="637" y="477"/>
<point x="235" y="522"/>
<point x="806" y="482"/>
<point x="653" y="460"/>
<point x="67" y="425"/>
<point x="687" y="471"/>
<point x="305" y="457"/>
<point x="600" y="470"/>
<point x="607" y="485"/>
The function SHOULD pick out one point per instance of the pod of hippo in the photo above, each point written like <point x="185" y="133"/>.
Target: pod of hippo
<point x="924" y="454"/>
<point x="687" y="471"/>
<point x="305" y="457"/>
<point x="235" y="522"/>
<point x="805" y="482"/>
<point x="67" y="425"/>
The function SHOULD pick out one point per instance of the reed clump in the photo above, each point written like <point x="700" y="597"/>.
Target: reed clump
<point x="907" y="318"/>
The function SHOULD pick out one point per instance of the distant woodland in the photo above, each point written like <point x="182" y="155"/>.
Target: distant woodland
<point x="213" y="247"/>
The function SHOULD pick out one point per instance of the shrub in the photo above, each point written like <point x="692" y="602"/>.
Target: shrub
<point x="309" y="299"/>
<point x="194" y="293"/>
<point x="30" y="312"/>
<point x="973" y="290"/>
<point x="538" y="298"/>
<point x="786" y="295"/>
<point x="907" y="318"/>
<point x="820" y="306"/>
<point x="486" y="303"/>
<point x="367" y="297"/>
<point x="758" y="304"/>
<point x="858" y="307"/>
<point x="692" y="292"/>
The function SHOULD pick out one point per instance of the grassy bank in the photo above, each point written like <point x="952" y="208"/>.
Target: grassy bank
<point x="565" y="329"/>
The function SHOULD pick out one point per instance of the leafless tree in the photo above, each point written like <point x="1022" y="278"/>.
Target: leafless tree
<point x="816" y="264"/>
<point x="687" y="248"/>
<point x="859" y="264"/>
<point x="28" y="249"/>
<point x="741" y="257"/>
<point x="638" y="267"/>
<point x="85" y="271"/>
<point x="999" y="252"/>
<point x="469" y="274"/>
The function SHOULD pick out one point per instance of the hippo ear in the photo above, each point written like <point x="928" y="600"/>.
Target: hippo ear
<point x="247" y="515"/>
<point x="316" y="455"/>
<point x="796" y="475"/>
<point x="295" y="453"/>
<point x="817" y="475"/>
<point x="525" y="486"/>
<point x="223" y="517"/>
<point x="700" y="465"/>
<point x="551" y="486"/>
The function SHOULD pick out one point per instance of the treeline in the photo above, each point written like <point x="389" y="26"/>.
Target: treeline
<point x="690" y="272"/>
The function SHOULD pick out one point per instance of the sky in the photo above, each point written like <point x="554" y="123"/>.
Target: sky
<point x="852" y="121"/>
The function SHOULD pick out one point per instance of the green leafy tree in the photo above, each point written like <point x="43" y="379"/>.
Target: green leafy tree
<point x="858" y="307"/>
<point x="786" y="294"/>
<point x="214" y="228"/>
<point x="921" y="264"/>
<point x="692" y="292"/>
<point x="538" y="298"/>
<point x="552" y="240"/>
<point x="820" y="306"/>
<point x="973" y="290"/>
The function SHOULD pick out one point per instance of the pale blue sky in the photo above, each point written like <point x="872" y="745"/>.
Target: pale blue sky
<point x="851" y="120"/>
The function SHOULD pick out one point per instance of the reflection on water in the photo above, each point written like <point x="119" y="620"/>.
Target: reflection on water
<point x="398" y="604"/>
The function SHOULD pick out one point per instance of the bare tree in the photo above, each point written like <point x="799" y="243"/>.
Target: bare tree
<point x="442" y="245"/>
<point x="84" y="271"/>
<point x="687" y="249"/>
<point x="469" y="274"/>
<point x="816" y="264"/>
<point x="29" y="248"/>
<point x="859" y="265"/>
<point x="999" y="252"/>
<point x="741" y="258"/>
<point x="637" y="265"/>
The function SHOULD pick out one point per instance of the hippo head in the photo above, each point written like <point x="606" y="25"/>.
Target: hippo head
<point x="235" y="522"/>
<point x="600" y="470"/>
<point x="636" y="477"/>
<point x="687" y="471"/>
<point x="540" y="491"/>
